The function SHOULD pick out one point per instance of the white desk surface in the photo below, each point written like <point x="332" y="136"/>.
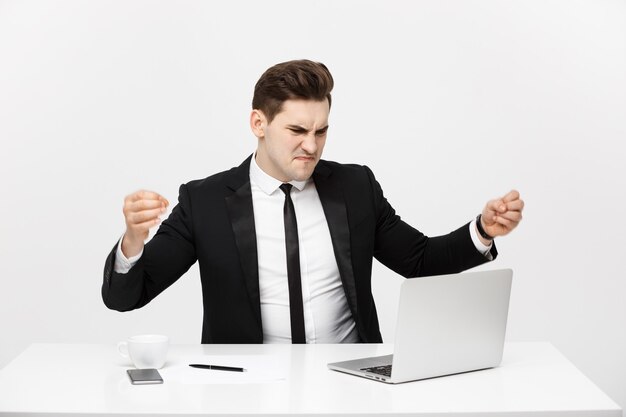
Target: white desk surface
<point x="60" y="379"/>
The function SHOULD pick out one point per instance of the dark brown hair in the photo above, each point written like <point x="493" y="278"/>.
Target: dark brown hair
<point x="300" y="79"/>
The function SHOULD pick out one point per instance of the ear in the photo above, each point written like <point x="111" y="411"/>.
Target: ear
<point x="258" y="122"/>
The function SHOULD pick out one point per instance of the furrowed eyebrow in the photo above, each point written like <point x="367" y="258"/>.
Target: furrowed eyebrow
<point x="300" y="129"/>
<point x="297" y="128"/>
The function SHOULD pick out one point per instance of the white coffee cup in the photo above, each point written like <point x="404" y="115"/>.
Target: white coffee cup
<point x="145" y="351"/>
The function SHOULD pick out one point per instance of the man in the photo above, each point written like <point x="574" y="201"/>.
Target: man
<point x="285" y="241"/>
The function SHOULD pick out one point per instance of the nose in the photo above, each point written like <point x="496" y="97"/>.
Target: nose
<point x="309" y="144"/>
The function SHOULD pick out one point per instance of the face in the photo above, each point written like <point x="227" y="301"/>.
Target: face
<point x="291" y="145"/>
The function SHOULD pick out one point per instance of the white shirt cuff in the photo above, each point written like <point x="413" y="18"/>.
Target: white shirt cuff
<point x="480" y="246"/>
<point x="122" y="263"/>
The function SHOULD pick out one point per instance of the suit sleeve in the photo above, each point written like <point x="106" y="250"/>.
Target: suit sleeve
<point x="410" y="253"/>
<point x="167" y="256"/>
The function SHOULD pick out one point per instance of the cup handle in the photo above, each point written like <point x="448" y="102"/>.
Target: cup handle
<point x="122" y="348"/>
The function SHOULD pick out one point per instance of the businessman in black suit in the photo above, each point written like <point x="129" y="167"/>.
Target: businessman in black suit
<point x="285" y="241"/>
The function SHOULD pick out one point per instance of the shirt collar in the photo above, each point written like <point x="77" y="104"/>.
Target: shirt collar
<point x="266" y="182"/>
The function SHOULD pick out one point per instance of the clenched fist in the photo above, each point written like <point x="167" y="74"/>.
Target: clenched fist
<point x="502" y="215"/>
<point x="141" y="212"/>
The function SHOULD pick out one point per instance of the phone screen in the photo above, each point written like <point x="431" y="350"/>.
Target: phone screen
<point x="144" y="376"/>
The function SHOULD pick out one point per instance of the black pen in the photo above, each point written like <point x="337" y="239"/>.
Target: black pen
<point x="217" y="367"/>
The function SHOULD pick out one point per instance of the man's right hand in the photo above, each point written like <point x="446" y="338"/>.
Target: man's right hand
<point x="141" y="212"/>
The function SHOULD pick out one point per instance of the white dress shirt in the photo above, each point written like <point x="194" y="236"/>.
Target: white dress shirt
<point x="327" y="317"/>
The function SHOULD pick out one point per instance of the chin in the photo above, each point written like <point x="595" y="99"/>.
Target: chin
<point x="302" y="175"/>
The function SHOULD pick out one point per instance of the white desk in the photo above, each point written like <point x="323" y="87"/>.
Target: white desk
<point x="58" y="379"/>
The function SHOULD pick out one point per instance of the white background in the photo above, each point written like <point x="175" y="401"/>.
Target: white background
<point x="451" y="103"/>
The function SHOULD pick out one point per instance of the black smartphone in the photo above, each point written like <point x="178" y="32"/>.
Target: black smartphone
<point x="144" y="376"/>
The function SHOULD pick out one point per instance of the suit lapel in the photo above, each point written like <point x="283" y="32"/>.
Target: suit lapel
<point x="334" y="205"/>
<point x="241" y="213"/>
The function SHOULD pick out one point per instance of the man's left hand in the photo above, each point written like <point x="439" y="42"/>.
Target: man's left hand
<point x="502" y="215"/>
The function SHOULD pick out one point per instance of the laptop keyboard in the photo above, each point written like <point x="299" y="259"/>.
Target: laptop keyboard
<point x="380" y="370"/>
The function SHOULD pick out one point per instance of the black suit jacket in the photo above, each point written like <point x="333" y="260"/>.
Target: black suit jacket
<point x="213" y="224"/>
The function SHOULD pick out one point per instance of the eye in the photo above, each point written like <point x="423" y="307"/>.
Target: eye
<point x="321" y="132"/>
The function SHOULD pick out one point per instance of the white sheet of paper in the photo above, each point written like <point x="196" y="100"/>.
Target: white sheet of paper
<point x="259" y="369"/>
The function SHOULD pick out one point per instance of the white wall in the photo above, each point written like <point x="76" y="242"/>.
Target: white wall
<point x="450" y="102"/>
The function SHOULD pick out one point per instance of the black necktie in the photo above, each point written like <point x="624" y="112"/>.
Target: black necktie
<point x="293" y="268"/>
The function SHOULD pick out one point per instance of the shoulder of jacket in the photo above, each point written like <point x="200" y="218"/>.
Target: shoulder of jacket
<point x="343" y="168"/>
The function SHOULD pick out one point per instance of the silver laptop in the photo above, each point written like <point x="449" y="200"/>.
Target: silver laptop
<point x="447" y="324"/>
